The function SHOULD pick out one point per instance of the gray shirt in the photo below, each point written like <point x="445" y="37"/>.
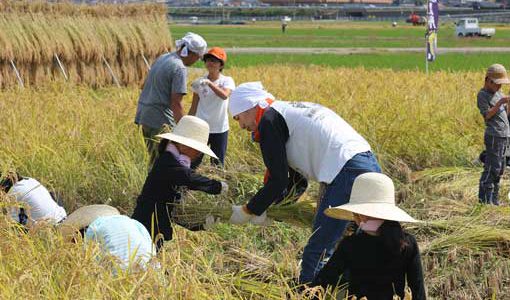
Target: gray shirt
<point x="498" y="124"/>
<point x="167" y="76"/>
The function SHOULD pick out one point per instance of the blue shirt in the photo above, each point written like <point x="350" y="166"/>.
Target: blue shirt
<point x="122" y="237"/>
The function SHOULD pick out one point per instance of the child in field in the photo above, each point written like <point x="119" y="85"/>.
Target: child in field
<point x="121" y="237"/>
<point x="494" y="109"/>
<point x="378" y="260"/>
<point x="171" y="171"/>
<point x="36" y="203"/>
<point x="210" y="101"/>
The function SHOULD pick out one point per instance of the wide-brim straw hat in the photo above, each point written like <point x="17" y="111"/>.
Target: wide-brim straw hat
<point x="83" y="217"/>
<point x="192" y="132"/>
<point x="373" y="195"/>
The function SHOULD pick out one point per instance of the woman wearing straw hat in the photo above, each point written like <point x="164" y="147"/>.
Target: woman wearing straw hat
<point x="210" y="101"/>
<point x="378" y="260"/>
<point x="120" y="236"/>
<point x="171" y="171"/>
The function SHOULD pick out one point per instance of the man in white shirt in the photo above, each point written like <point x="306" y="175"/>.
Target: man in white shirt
<point x="311" y="140"/>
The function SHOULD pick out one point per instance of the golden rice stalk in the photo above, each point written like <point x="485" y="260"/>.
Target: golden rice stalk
<point x="300" y="213"/>
<point x="102" y="10"/>
<point x="31" y="36"/>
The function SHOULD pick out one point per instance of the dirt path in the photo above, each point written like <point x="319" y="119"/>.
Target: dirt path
<point x="347" y="51"/>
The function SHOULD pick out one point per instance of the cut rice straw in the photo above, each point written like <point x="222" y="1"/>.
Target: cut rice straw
<point x="300" y="213"/>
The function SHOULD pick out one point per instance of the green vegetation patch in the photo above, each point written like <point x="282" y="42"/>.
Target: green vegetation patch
<point x="341" y="35"/>
<point x="395" y="61"/>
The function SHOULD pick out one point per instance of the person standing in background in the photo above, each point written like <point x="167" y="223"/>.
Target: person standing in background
<point x="493" y="106"/>
<point x="160" y="102"/>
<point x="210" y="101"/>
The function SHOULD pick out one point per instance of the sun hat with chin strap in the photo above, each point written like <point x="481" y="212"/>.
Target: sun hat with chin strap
<point x="192" y="132"/>
<point x="373" y="195"/>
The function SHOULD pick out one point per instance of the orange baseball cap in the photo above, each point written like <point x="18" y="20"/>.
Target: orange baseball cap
<point x="218" y="53"/>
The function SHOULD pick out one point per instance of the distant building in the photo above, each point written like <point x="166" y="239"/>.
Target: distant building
<point x="324" y="2"/>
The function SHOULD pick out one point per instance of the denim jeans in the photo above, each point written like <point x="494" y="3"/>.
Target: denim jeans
<point x="327" y="231"/>
<point x="218" y="143"/>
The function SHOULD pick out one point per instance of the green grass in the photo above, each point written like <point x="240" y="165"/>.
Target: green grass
<point x="334" y="35"/>
<point x="395" y="61"/>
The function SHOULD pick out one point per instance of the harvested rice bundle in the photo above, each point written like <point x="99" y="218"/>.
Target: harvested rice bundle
<point x="299" y="213"/>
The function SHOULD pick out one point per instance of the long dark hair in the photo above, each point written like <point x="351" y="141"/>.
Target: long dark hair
<point x="162" y="145"/>
<point x="395" y="239"/>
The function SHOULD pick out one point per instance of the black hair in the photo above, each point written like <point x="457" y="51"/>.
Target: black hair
<point x="82" y="231"/>
<point x="162" y="145"/>
<point x="214" y="58"/>
<point x="10" y="179"/>
<point x="396" y="241"/>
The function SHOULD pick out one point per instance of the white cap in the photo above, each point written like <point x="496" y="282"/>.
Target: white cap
<point x="248" y="95"/>
<point x="192" y="42"/>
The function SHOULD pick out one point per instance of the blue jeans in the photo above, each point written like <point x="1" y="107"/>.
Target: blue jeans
<point x="218" y="143"/>
<point x="327" y="231"/>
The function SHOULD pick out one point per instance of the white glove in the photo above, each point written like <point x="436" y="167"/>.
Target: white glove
<point x="209" y="222"/>
<point x="204" y="82"/>
<point x="261" y="220"/>
<point x="224" y="188"/>
<point x="239" y="216"/>
<point x="195" y="85"/>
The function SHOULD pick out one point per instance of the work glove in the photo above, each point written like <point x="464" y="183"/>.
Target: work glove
<point x="204" y="82"/>
<point x="261" y="220"/>
<point x="195" y="85"/>
<point x="239" y="216"/>
<point x="210" y="221"/>
<point x="224" y="188"/>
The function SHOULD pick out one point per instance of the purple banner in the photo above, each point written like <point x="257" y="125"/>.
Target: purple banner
<point x="433" y="15"/>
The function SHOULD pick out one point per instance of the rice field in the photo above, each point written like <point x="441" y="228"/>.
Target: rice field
<point x="82" y="143"/>
<point x="79" y="139"/>
<point x="337" y="35"/>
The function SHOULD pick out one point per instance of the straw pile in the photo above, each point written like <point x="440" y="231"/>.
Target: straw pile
<point x="34" y="37"/>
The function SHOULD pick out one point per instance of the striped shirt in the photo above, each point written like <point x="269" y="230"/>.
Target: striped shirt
<point x="122" y="237"/>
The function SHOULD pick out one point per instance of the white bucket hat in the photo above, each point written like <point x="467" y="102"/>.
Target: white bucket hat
<point x="373" y="195"/>
<point x="246" y="96"/>
<point x="192" y="132"/>
<point x="83" y="216"/>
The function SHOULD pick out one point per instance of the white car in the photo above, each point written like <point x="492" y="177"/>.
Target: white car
<point x="469" y="27"/>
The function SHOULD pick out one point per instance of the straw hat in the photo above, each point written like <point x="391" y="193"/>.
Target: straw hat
<point x="373" y="195"/>
<point x="84" y="216"/>
<point x="497" y="73"/>
<point x="192" y="132"/>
